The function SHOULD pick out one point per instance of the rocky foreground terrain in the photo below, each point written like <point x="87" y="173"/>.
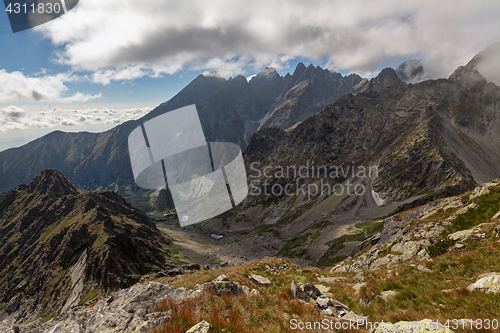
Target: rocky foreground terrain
<point x="435" y="266"/>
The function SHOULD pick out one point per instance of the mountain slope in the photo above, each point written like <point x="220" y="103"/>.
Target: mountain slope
<point x="307" y="91"/>
<point x="61" y="245"/>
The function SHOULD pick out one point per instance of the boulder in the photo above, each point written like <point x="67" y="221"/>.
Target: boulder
<point x="221" y="278"/>
<point x="387" y="295"/>
<point x="461" y="236"/>
<point x="323" y="302"/>
<point x="489" y="283"/>
<point x="201" y="327"/>
<point x="310" y="290"/>
<point x="297" y="292"/>
<point x="228" y="288"/>
<point x="260" y="280"/>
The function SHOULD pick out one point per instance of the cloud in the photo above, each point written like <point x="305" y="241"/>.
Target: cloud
<point x="126" y="73"/>
<point x="15" y="87"/>
<point x="16" y="118"/>
<point x="126" y="39"/>
<point x="488" y="63"/>
<point x="13" y="112"/>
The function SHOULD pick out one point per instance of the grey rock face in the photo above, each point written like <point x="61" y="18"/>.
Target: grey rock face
<point x="260" y="280"/>
<point x="489" y="283"/>
<point x="127" y="310"/>
<point x="201" y="327"/>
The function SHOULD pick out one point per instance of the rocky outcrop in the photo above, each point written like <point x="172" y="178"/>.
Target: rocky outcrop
<point x="127" y="310"/>
<point x="308" y="292"/>
<point x="489" y="283"/>
<point x="408" y="235"/>
<point x="60" y="244"/>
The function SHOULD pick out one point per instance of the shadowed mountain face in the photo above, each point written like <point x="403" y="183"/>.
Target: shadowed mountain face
<point x="306" y="92"/>
<point x="60" y="244"/>
<point x="424" y="137"/>
<point x="230" y="110"/>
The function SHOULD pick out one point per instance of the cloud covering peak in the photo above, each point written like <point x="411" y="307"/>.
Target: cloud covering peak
<point x="156" y="37"/>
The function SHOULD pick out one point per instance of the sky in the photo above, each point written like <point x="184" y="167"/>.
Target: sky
<point x="106" y="62"/>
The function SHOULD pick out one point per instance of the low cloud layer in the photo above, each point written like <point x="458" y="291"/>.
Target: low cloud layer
<point x="16" y="118"/>
<point x="16" y="87"/>
<point x="126" y="39"/>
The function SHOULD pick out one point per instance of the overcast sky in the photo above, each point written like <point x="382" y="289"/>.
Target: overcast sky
<point x="109" y="61"/>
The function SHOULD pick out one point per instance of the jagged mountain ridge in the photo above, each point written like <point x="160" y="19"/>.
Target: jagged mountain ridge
<point x="455" y="120"/>
<point x="230" y="110"/>
<point x="61" y="244"/>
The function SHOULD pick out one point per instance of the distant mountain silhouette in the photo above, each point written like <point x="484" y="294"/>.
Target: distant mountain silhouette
<point x="230" y="110"/>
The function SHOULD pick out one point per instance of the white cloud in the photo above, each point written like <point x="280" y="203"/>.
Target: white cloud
<point x="15" y="87"/>
<point x="126" y="39"/>
<point x="16" y="118"/>
<point x="126" y="73"/>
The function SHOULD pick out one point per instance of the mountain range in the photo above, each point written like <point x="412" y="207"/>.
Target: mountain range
<point x="230" y="110"/>
<point x="426" y="141"/>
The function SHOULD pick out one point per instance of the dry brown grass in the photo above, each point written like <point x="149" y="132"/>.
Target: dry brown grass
<point x="243" y="313"/>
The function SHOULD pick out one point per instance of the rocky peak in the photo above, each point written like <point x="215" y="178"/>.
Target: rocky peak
<point x="268" y="72"/>
<point x="386" y="78"/>
<point x="52" y="182"/>
<point x="388" y="74"/>
<point x="468" y="77"/>
<point x="59" y="244"/>
<point x="299" y="69"/>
